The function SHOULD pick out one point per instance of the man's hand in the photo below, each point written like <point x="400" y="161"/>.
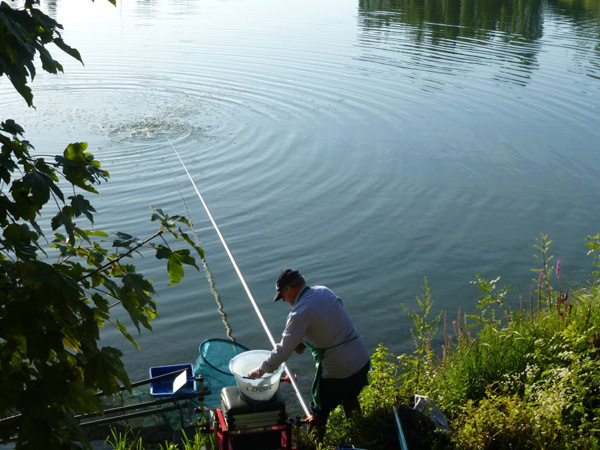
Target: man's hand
<point x="300" y="348"/>
<point x="256" y="373"/>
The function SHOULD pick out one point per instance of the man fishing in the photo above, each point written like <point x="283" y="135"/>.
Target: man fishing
<point x="319" y="321"/>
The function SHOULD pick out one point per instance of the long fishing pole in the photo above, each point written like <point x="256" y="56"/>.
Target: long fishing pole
<point x="243" y="281"/>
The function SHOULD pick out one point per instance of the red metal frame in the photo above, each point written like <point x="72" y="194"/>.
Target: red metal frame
<point x="224" y="433"/>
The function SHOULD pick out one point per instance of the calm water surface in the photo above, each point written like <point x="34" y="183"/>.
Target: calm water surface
<point x="368" y="144"/>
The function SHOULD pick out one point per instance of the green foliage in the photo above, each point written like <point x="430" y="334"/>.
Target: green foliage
<point x="422" y="332"/>
<point x="384" y="379"/>
<point x="54" y="300"/>
<point x="55" y="296"/>
<point x="130" y="441"/>
<point x="544" y="273"/>
<point x="551" y="403"/>
<point x="530" y="380"/>
<point x="496" y="422"/>
<point x="593" y="244"/>
<point x="492" y="296"/>
<point x="376" y="400"/>
<point x="200" y="440"/>
<point x="123" y="441"/>
<point x="527" y="380"/>
<point x="24" y="33"/>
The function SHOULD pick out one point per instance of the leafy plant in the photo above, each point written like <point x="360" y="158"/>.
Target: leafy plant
<point x="423" y="331"/>
<point x="492" y="297"/>
<point x="55" y="296"/>
<point x="544" y="288"/>
<point x="377" y="400"/>
<point x="51" y="312"/>
<point x="24" y="33"/>
<point x="593" y="245"/>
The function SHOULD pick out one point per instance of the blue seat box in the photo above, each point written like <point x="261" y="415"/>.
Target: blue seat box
<point x="164" y="387"/>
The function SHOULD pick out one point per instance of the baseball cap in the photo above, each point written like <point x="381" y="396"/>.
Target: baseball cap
<point x="285" y="278"/>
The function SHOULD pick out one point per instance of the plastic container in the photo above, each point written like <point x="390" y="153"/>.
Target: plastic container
<point x="255" y="390"/>
<point x="165" y="386"/>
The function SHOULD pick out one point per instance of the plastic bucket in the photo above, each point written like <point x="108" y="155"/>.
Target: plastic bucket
<point x="255" y="390"/>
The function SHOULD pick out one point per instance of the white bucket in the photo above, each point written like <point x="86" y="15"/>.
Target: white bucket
<point x="255" y="390"/>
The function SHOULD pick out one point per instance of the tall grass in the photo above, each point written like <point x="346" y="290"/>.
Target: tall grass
<point x="128" y="440"/>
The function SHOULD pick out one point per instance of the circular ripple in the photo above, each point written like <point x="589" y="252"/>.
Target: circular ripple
<point x="149" y="131"/>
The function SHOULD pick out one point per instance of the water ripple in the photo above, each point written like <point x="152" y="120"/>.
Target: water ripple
<point x="150" y="130"/>
<point x="362" y="145"/>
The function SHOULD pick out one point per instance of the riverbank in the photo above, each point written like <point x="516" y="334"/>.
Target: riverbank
<point x="524" y="376"/>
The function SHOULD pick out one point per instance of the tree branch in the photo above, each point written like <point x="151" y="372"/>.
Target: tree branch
<point x="130" y="251"/>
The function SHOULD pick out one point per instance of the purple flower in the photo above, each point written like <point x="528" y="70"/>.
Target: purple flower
<point x="558" y="268"/>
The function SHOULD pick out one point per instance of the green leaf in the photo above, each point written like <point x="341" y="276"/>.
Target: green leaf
<point x="80" y="168"/>
<point x="174" y="266"/>
<point x="39" y="185"/>
<point x="104" y="369"/>
<point x="125" y="240"/>
<point x="162" y="252"/>
<point x="138" y="284"/>
<point x="123" y="329"/>
<point x="74" y="153"/>
<point x="18" y="233"/>
<point x="10" y="126"/>
<point x="25" y="206"/>
<point x="165" y="221"/>
<point x="81" y="205"/>
<point x="67" y="49"/>
<point x="21" y="239"/>
<point x="64" y="218"/>
<point x="49" y="64"/>
<point x="135" y="298"/>
<point x="96" y="233"/>
<point x="192" y="244"/>
<point x="55" y="284"/>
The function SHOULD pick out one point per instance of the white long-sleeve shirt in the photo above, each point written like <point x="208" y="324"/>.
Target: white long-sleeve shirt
<point x="320" y="319"/>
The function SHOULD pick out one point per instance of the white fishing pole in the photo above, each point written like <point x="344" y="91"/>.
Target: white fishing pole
<point x="241" y="277"/>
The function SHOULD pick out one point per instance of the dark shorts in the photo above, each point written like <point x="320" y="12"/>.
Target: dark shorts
<point x="341" y="391"/>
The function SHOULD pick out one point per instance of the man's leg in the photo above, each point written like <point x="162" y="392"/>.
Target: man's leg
<point x="353" y="387"/>
<point x="339" y="391"/>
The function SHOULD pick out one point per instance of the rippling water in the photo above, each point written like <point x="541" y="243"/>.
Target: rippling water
<point x="368" y="144"/>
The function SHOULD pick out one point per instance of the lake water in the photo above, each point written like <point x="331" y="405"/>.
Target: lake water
<point x="369" y="144"/>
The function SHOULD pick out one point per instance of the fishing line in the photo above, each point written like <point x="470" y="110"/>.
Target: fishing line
<point x="242" y="280"/>
<point x="207" y="272"/>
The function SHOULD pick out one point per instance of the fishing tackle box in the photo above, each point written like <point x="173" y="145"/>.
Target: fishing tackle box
<point x="241" y="414"/>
